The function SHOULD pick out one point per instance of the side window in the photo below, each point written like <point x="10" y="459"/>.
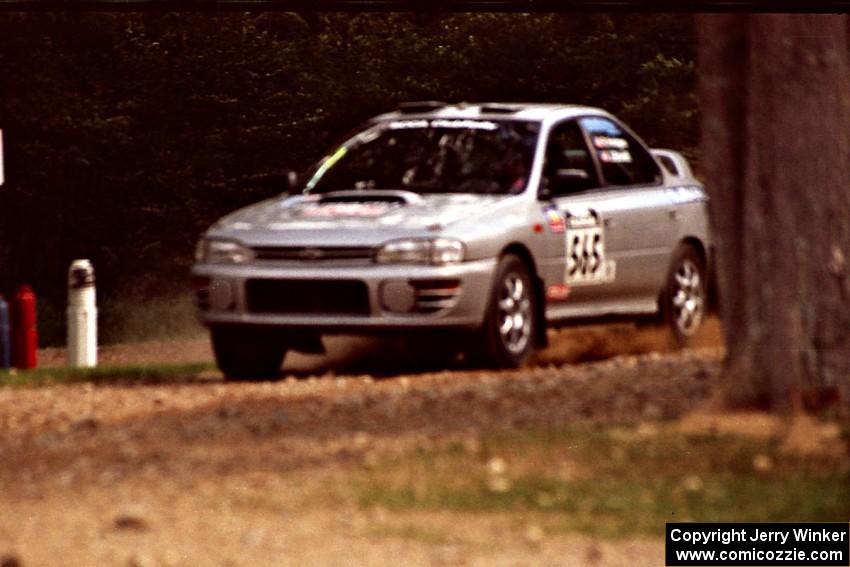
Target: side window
<point x="669" y="165"/>
<point x="624" y="161"/>
<point x="569" y="166"/>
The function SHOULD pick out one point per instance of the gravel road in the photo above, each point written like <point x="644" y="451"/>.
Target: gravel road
<point x="197" y="471"/>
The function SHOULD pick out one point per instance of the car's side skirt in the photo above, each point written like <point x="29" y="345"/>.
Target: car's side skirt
<point x="585" y="312"/>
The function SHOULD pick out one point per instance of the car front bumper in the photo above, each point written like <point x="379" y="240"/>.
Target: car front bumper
<point x="384" y="297"/>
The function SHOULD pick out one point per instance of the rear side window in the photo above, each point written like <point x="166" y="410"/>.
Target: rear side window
<point x="624" y="161"/>
<point x="669" y="165"/>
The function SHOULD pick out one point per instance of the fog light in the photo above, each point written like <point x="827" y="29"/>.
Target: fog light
<point x="201" y="285"/>
<point x="221" y="295"/>
<point x="398" y="297"/>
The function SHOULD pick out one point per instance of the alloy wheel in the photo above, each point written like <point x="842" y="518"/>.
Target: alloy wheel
<point x="514" y="313"/>
<point x="688" y="298"/>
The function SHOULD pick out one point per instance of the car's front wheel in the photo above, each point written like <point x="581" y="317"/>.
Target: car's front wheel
<point x="685" y="294"/>
<point x="506" y="339"/>
<point x="244" y="353"/>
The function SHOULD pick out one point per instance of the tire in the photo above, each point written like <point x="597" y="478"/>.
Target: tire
<point x="506" y="339"/>
<point x="247" y="354"/>
<point x="685" y="296"/>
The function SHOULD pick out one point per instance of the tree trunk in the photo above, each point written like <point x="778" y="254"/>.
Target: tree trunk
<point x="774" y="93"/>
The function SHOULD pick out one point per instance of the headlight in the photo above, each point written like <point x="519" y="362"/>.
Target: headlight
<point x="438" y="251"/>
<point x="211" y="251"/>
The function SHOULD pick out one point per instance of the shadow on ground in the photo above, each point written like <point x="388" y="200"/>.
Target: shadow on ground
<point x="387" y="357"/>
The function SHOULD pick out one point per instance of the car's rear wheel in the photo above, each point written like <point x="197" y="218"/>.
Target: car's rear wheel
<point x="245" y="353"/>
<point x="685" y="297"/>
<point x="506" y="338"/>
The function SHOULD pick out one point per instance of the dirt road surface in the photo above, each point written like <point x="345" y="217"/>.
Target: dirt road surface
<point x="197" y="471"/>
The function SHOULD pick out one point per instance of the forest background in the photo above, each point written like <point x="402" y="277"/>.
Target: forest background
<point x="127" y="134"/>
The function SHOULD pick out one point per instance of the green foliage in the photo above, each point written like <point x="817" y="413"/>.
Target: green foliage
<point x="127" y="134"/>
<point x="106" y="374"/>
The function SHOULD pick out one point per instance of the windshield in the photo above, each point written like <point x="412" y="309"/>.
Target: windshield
<point x="432" y="156"/>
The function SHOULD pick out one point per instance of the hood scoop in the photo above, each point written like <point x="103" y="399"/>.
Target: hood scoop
<point x="371" y="196"/>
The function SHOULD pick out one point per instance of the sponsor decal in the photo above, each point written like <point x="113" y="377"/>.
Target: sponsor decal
<point x="319" y="210"/>
<point x="555" y="220"/>
<point x="467" y="124"/>
<point x="444" y="123"/>
<point x="582" y="218"/>
<point x="610" y="143"/>
<point x="405" y="124"/>
<point x="615" y="156"/>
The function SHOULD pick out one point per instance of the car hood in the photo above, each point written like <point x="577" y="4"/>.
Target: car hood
<point x="349" y="218"/>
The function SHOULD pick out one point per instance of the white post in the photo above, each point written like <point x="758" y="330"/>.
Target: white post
<point x="82" y="315"/>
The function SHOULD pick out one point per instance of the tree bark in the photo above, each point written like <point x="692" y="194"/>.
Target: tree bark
<point x="774" y="93"/>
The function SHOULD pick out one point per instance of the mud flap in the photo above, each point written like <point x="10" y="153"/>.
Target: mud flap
<point x="541" y="339"/>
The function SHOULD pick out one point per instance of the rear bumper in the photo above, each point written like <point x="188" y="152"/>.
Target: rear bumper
<point x="222" y="296"/>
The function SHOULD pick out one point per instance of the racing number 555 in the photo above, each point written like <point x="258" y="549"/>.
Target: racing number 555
<point x="585" y="255"/>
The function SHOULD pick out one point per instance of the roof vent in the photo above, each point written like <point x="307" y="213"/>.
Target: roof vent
<point x="499" y="108"/>
<point x="420" y="106"/>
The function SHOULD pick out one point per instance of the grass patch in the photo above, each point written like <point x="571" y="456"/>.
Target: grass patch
<point x="616" y="481"/>
<point x="107" y="374"/>
<point x="410" y="532"/>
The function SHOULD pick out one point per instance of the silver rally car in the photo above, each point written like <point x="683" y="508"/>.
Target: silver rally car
<point x="480" y="222"/>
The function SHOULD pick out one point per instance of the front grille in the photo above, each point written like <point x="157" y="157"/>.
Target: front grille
<point x="312" y="253"/>
<point x="307" y="297"/>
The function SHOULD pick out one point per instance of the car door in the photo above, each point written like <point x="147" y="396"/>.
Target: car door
<point x="637" y="211"/>
<point x="609" y="190"/>
<point x="571" y="181"/>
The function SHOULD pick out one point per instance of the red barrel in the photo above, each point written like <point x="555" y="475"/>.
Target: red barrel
<point x="24" y="334"/>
